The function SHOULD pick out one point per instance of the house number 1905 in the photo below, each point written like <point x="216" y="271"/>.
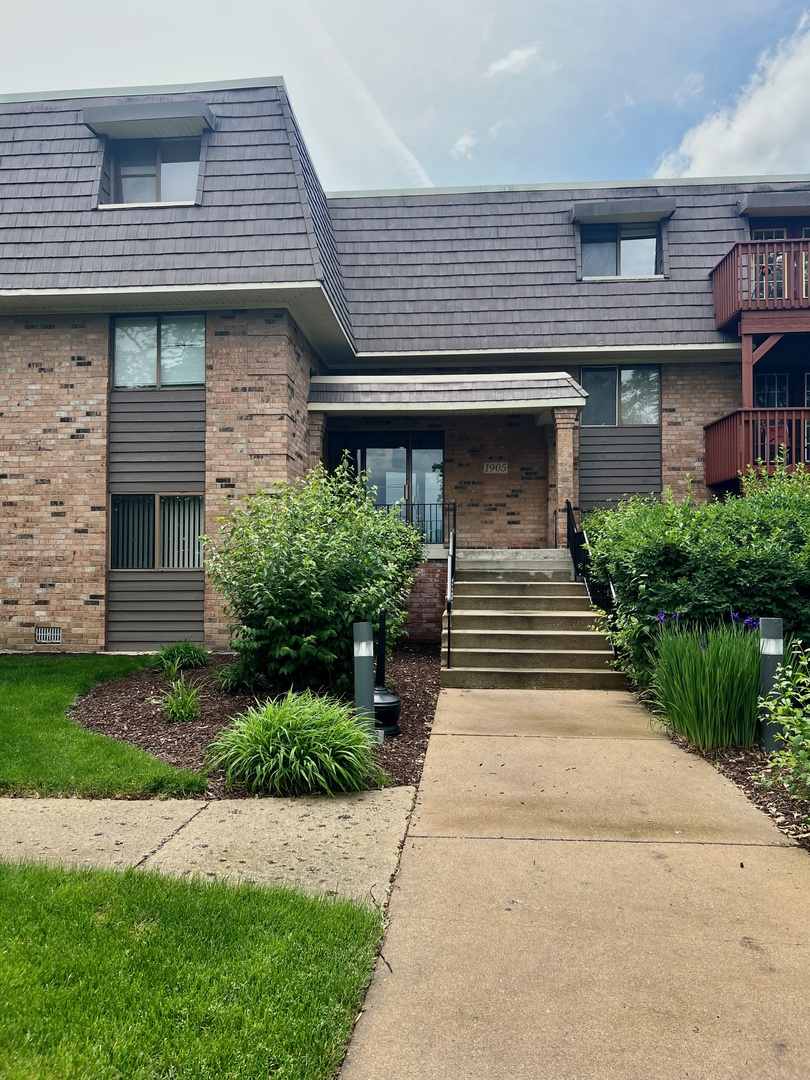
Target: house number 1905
<point x="496" y="467"/>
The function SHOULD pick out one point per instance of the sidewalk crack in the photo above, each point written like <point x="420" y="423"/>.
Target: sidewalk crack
<point x="171" y="836"/>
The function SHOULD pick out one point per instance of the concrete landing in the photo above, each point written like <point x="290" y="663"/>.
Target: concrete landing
<point x="579" y="900"/>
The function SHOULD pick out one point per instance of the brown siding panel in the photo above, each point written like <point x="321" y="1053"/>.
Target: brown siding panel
<point x="150" y="608"/>
<point x="615" y="462"/>
<point x="157" y="441"/>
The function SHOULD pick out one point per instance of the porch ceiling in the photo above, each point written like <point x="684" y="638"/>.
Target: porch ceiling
<point x="424" y="394"/>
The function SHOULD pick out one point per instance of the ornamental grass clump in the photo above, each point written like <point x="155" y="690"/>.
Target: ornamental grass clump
<point x="705" y="683"/>
<point x="179" y="656"/>
<point x="300" y="744"/>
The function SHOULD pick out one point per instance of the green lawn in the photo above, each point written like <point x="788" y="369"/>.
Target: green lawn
<point x="42" y="752"/>
<point x="130" y="976"/>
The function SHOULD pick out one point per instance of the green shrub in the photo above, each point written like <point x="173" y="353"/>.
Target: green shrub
<point x="788" y="705"/>
<point x="299" y="566"/>
<point x="705" y="684"/>
<point x="179" y="656"/>
<point x="235" y="678"/>
<point x="300" y="744"/>
<point x="705" y="560"/>
<point x="182" y="702"/>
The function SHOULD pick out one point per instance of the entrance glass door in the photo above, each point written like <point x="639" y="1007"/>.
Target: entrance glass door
<point x="405" y="467"/>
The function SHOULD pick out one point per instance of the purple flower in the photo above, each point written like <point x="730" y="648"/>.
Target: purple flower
<point x="661" y="616"/>
<point x="704" y="644"/>
<point x="751" y="623"/>
<point x="676" y="614"/>
<point x="735" y="615"/>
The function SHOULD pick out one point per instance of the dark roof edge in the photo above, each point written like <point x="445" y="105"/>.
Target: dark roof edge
<point x="575" y="185"/>
<point x="123" y="91"/>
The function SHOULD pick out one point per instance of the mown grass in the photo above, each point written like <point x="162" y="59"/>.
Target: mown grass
<point x="130" y="976"/>
<point x="43" y="752"/>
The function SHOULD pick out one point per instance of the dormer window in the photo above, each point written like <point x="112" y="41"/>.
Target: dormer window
<point x="622" y="238"/>
<point x="155" y="170"/>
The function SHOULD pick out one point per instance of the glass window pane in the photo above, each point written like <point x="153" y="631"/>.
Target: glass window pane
<point x="600" y="408"/>
<point x="426" y="492"/>
<point x="182" y="350"/>
<point x="135" y="170"/>
<point x="135" y="351"/>
<point x="179" y="168"/>
<point x="639" y="257"/>
<point x="386" y="469"/>
<point x="598" y="244"/>
<point x="770" y="390"/>
<point x="640" y="395"/>
<point x="132" y="532"/>
<point x="181" y="526"/>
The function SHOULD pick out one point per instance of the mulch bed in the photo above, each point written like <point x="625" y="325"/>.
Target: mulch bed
<point x="129" y="710"/>
<point x="749" y="769"/>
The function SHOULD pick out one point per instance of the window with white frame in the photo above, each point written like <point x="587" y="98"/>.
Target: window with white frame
<point x="621" y="396"/>
<point x="158" y="351"/>
<point x="149" y="532"/>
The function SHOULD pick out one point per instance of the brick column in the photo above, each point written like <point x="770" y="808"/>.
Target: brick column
<point x="566" y="472"/>
<point x="317" y="438"/>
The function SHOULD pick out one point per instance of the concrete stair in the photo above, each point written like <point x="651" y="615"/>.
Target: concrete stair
<point x="520" y="622"/>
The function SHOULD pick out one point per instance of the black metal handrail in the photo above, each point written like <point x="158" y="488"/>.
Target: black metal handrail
<point x="435" y="520"/>
<point x="601" y="595"/>
<point x="451" y="576"/>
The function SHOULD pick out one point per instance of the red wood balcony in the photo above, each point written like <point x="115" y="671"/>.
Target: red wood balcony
<point x="755" y="436"/>
<point x="762" y="275"/>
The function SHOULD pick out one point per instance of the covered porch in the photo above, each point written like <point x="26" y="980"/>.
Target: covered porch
<point x="492" y="455"/>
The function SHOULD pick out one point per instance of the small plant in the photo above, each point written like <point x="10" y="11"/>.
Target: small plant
<point x="179" y="656"/>
<point x="788" y="705"/>
<point x="297" y="745"/>
<point x="236" y="678"/>
<point x="182" y="702"/>
<point x="705" y="683"/>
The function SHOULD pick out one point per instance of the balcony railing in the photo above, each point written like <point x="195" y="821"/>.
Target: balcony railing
<point x="436" y="520"/>
<point x="755" y="436"/>
<point x="762" y="275"/>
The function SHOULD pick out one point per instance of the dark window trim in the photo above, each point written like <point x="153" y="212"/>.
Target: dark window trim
<point x="618" y="368"/>
<point x="159" y="315"/>
<point x="106" y="197"/>
<point x="157" y="568"/>
<point x="662" y="251"/>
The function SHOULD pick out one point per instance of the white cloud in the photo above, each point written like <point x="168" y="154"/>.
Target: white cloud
<point x="514" y="62"/>
<point x="494" y="130"/>
<point x="462" y="147"/>
<point x="765" y="131"/>
<point x="692" y="87"/>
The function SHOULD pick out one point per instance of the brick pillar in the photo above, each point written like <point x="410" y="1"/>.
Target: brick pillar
<point x="566" y="471"/>
<point x="317" y="438"/>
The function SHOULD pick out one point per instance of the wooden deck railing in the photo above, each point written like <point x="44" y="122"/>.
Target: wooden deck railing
<point x="755" y="436"/>
<point x="762" y="275"/>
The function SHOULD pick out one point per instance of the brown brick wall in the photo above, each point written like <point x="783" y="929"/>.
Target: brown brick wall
<point x="257" y="428"/>
<point x="494" y="510"/>
<point x="426" y="603"/>
<point x="53" y="465"/>
<point x="692" y="395"/>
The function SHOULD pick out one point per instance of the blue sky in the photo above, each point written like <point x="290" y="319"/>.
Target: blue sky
<point x="466" y="92"/>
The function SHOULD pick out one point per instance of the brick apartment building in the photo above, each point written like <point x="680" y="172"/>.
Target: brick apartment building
<point x="186" y="317"/>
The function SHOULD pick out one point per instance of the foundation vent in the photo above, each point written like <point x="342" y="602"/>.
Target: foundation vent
<point x="48" y="635"/>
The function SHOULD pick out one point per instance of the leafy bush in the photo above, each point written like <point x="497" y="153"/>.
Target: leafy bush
<point x="235" y="678"/>
<point x="300" y="744"/>
<point x="705" y="684"/>
<point x="179" y="656"/>
<point x="300" y="565"/>
<point x="788" y="705"/>
<point x="182" y="702"/>
<point x="705" y="560"/>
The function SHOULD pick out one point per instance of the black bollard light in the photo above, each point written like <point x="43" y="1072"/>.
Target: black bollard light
<point x="386" y="703"/>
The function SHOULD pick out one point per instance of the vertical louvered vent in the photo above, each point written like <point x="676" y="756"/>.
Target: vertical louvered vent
<point x="48" y="635"/>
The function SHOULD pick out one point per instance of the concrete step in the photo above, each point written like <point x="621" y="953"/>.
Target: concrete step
<point x="490" y="598"/>
<point x="555" y="640"/>
<point x="572" y="605"/>
<point x="532" y="679"/>
<point x="562" y="574"/>
<point x="478" y="619"/>
<point x="530" y="659"/>
<point x="476" y="587"/>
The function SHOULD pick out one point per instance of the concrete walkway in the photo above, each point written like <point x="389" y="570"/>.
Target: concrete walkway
<point x="348" y="845"/>
<point x="580" y="900"/>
